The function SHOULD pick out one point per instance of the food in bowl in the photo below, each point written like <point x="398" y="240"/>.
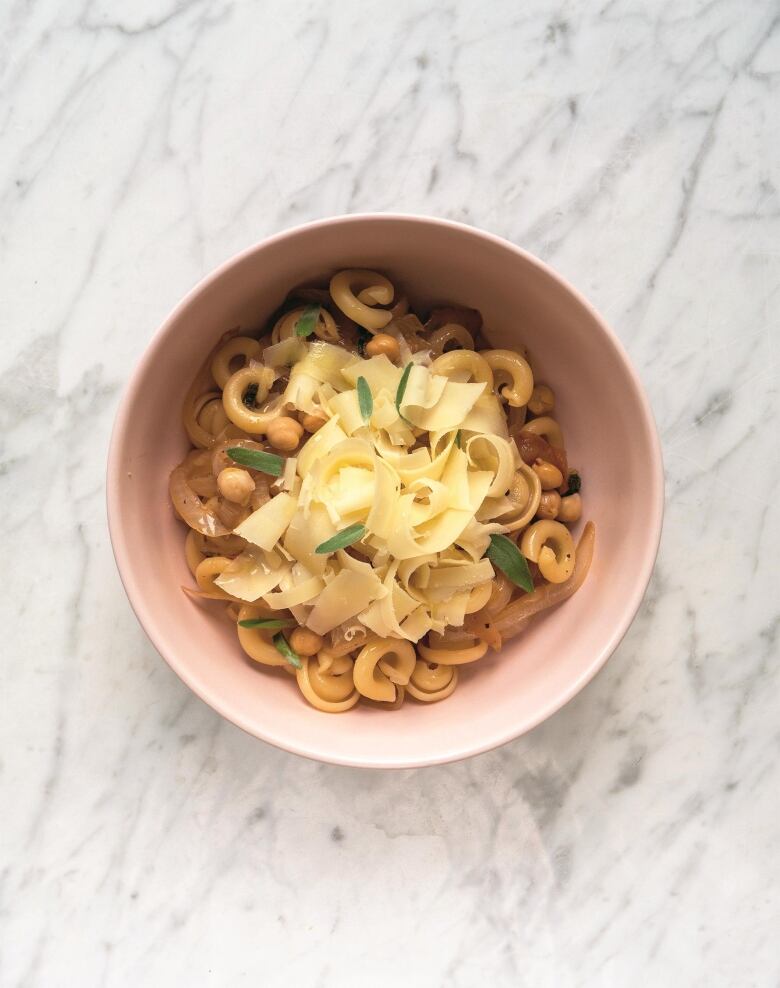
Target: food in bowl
<point x="376" y="499"/>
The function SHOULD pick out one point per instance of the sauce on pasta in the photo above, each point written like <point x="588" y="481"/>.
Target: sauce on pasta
<point x="375" y="500"/>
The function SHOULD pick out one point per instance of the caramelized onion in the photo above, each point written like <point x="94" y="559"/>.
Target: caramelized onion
<point x="346" y="638"/>
<point x="478" y="627"/>
<point x="190" y="508"/>
<point x="197" y="594"/>
<point x="219" y="458"/>
<point x="513" y="619"/>
<point x="533" y="448"/>
<point x="471" y="319"/>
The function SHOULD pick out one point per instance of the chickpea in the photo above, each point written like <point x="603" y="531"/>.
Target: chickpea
<point x="383" y="343"/>
<point x="284" y="433"/>
<point x="549" y="505"/>
<point x="549" y="475"/>
<point x="571" y="508"/>
<point x="305" y="642"/>
<point x="235" y="485"/>
<point x="542" y="400"/>
<point x="312" y="422"/>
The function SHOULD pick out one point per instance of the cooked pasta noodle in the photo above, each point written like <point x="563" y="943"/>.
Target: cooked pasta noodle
<point x="346" y="494"/>
<point x="429" y="682"/>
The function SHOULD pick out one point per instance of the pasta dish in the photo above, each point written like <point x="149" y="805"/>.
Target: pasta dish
<point x="377" y="500"/>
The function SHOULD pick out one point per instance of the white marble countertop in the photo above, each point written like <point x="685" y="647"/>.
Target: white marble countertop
<point x="633" y="839"/>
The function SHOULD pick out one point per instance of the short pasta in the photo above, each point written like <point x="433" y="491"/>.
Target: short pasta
<point x="375" y="496"/>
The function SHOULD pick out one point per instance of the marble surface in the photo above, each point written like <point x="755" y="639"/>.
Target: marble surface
<point x="633" y="839"/>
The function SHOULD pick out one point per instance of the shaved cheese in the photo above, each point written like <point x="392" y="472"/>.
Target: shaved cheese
<point x="325" y="362"/>
<point x="452" y="610"/>
<point x="347" y="407"/>
<point x="383" y="617"/>
<point x="353" y="492"/>
<point x="429" y="485"/>
<point x="285" y="353"/>
<point x="304" y="534"/>
<point x="486" y="416"/>
<point x="288" y="479"/>
<point x="323" y="440"/>
<point x="447" y="580"/>
<point x="250" y="575"/>
<point x="347" y="594"/>
<point x="456" y="479"/>
<point x="436" y="403"/>
<point x="431" y="498"/>
<point x="416" y="625"/>
<point x="385" y="494"/>
<point x="423" y="390"/>
<point x="475" y="537"/>
<point x="300" y="391"/>
<point x="495" y="454"/>
<point x="379" y="372"/>
<point x="266" y="526"/>
<point x="297" y="592"/>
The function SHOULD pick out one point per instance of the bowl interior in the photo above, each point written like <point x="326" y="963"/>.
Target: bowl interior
<point x="609" y="436"/>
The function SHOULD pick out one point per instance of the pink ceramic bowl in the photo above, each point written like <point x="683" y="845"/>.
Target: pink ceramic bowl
<point x="610" y="436"/>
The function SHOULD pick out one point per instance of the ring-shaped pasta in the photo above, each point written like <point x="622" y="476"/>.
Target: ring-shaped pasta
<point x="212" y="416"/>
<point x="238" y="346"/>
<point x="199" y="435"/>
<point x="451" y="333"/>
<point x="207" y="570"/>
<point x="548" y="429"/>
<point x="452" y="656"/>
<point x="550" y="545"/>
<point x="464" y="365"/>
<point x="329" y="661"/>
<point x="192" y="550"/>
<point x="526" y="493"/>
<point x="479" y="596"/>
<point x="325" y="327"/>
<point x="429" y="683"/>
<point x="513" y="376"/>
<point x="249" y="419"/>
<point x="332" y="689"/>
<point x="356" y="290"/>
<point x="196" y="466"/>
<point x="382" y="665"/>
<point x="225" y="545"/>
<point x="258" y="642"/>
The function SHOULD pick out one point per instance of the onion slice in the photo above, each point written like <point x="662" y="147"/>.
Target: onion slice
<point x="190" y="508"/>
<point x="514" y="618"/>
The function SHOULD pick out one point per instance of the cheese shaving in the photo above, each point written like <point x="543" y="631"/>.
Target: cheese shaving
<point x="428" y="486"/>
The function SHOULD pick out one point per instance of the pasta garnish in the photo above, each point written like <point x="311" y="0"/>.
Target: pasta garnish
<point x="413" y="511"/>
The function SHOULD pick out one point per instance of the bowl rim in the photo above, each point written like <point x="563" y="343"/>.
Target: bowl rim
<point x="150" y="623"/>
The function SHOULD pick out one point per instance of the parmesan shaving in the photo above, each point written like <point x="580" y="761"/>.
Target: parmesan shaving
<point x="250" y="575"/>
<point x="266" y="526"/>
<point x="428" y="485"/>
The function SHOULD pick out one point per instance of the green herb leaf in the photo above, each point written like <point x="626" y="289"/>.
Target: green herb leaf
<point x="364" y="398"/>
<point x="458" y="440"/>
<point x="307" y="320"/>
<point x="342" y="539"/>
<point x="399" y="395"/>
<point x="283" y="646"/>
<point x="575" y="483"/>
<point x="363" y="336"/>
<point x="504" y="554"/>
<point x="256" y="459"/>
<point x="266" y="623"/>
